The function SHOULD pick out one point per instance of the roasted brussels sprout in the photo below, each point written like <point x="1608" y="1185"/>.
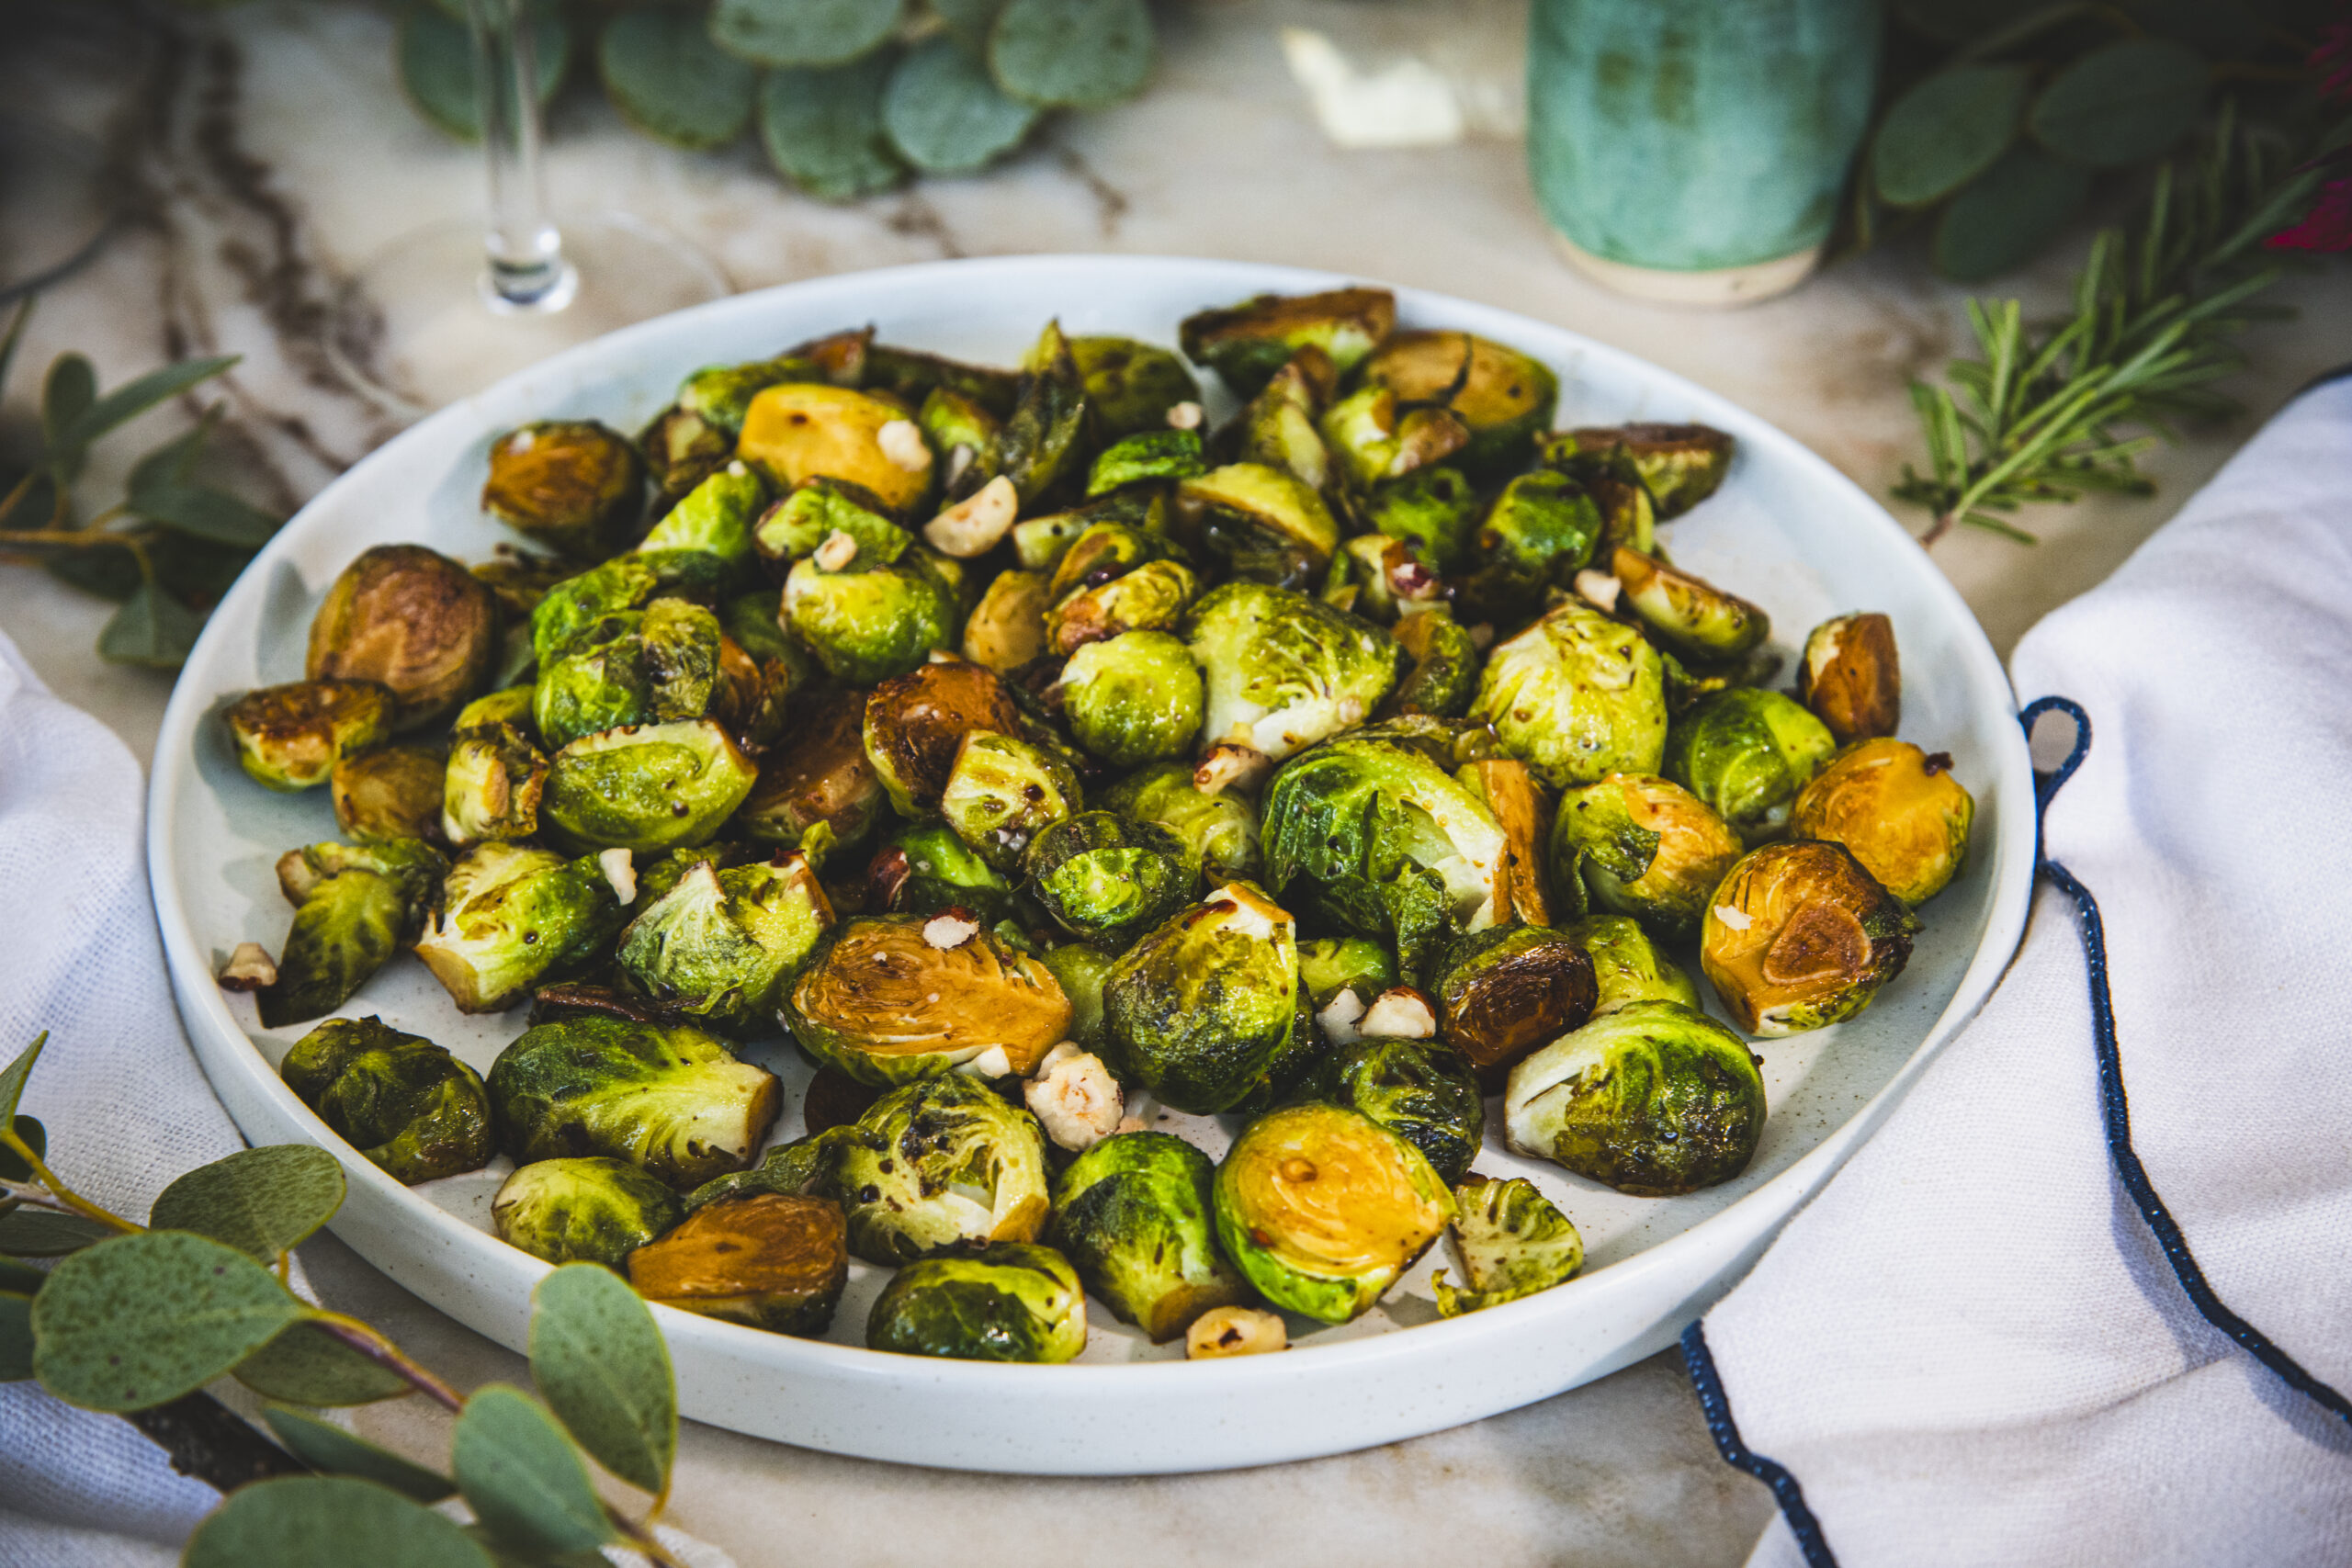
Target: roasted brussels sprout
<point x="646" y="787"/>
<point x="1151" y="597"/>
<point x="668" y="1098"/>
<point x="579" y="601"/>
<point x="1010" y="1302"/>
<point x="969" y="436"/>
<point x="1522" y="809"/>
<point x="1850" y="677"/>
<point x="1151" y="455"/>
<point x="1198" y="1008"/>
<point x="1501" y="993"/>
<point x="1108" y="878"/>
<point x="891" y="998"/>
<point x="770" y="1261"/>
<point x="412" y="1110"/>
<point x="912" y="376"/>
<point x="1654" y="1099"/>
<point x="1746" y="752"/>
<point x="1082" y="968"/>
<point x="1131" y="386"/>
<point x="291" y="737"/>
<point x="1003" y="791"/>
<point x="1693" y="618"/>
<point x="1421" y="1090"/>
<point x="1628" y="514"/>
<point x="1899" y="811"/>
<point x="1322" y="1208"/>
<point x="817" y="793"/>
<point x="942" y="1165"/>
<point x="1434" y="510"/>
<point x="721" y="945"/>
<point x="409" y="620"/>
<point x="1246" y="343"/>
<point x="1643" y="846"/>
<point x="1799" y="935"/>
<point x="1132" y="1215"/>
<point x="586" y="1209"/>
<point x="1342" y="975"/>
<point x="681" y="451"/>
<point x="1512" y="1243"/>
<point x="801" y="1169"/>
<point x="354" y="904"/>
<point x="1575" y="696"/>
<point x="1281" y="425"/>
<point x="1218" y="832"/>
<point x="572" y="485"/>
<point x="391" y="793"/>
<point x="714" y="517"/>
<point x="720" y="395"/>
<point x="491" y="785"/>
<point x="925" y="869"/>
<point x="914" y="724"/>
<point x="512" y="916"/>
<point x="1501" y="395"/>
<point x="1444" y="673"/>
<point x="1104" y="549"/>
<point x="1134" y="698"/>
<point x="1627" y="966"/>
<point x="1007" y="628"/>
<point x="1373" y="437"/>
<point x="1680" y="464"/>
<point x="805" y="521"/>
<point x="1284" y="670"/>
<point x="1265" y="524"/>
<point x="1044" y="436"/>
<point x="865" y="627"/>
<point x="1537" y="536"/>
<point x="800" y="431"/>
<point x="651" y="666"/>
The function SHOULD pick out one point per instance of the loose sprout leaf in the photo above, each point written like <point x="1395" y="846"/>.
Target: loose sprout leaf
<point x="140" y="1320"/>
<point x="129" y="401"/>
<point x="604" y="1368"/>
<point x="668" y="79"/>
<point x="13" y="1076"/>
<point x="1078" y="54"/>
<point x="153" y="628"/>
<point x="803" y="32"/>
<point x="1945" y="132"/>
<point x="44" y="1233"/>
<point x="436" y="61"/>
<point x="823" y="129"/>
<point x="207" y="514"/>
<point x="2005" y="218"/>
<point x="15" y="1336"/>
<point x="303" y="1521"/>
<point x="306" y="1365"/>
<point x="330" y="1450"/>
<point x="65" y="396"/>
<point x="523" y="1478"/>
<point x="946" y="115"/>
<point x="35" y="1137"/>
<point x="968" y="21"/>
<point x="262" y="1201"/>
<point x="2122" y="104"/>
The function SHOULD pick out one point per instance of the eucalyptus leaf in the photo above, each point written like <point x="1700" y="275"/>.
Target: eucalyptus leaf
<point x="331" y="1450"/>
<point x="13" y="1076"/>
<point x="304" y="1520"/>
<point x="1947" y="131"/>
<point x="603" y="1367"/>
<point x="947" y="115"/>
<point x="1079" y="54"/>
<point x="263" y="1202"/>
<point x="2122" y="104"/>
<point x="45" y="1232"/>
<point x="66" y="395"/>
<point x="306" y="1365"/>
<point x="823" y="129"/>
<point x="34" y="1136"/>
<point x="170" y="463"/>
<point x="134" y="398"/>
<point x="968" y="21"/>
<point x="668" y="79"/>
<point x="207" y="514"/>
<point x="21" y="1277"/>
<point x="195" y="571"/>
<point x="15" y="1336"/>
<point x="108" y="571"/>
<point x="15" y="336"/>
<point x="153" y="628"/>
<point x="803" y="32"/>
<point x="33" y="504"/>
<point x="523" y="1478"/>
<point x="2003" y="219"/>
<point x="140" y="1320"/>
<point x="436" y="64"/>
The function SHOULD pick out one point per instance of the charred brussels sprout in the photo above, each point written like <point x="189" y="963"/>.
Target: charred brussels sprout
<point x="1898" y="809"/>
<point x="290" y="737"/>
<point x="1654" y="1099"/>
<point x="1512" y="1243"/>
<point x="1003" y="791"/>
<point x="578" y="603"/>
<point x="715" y="517"/>
<point x="1007" y="628"/>
<point x="1218" y="832"/>
<point x="817" y="793"/>
<point x="646" y="787"/>
<point x="1284" y="670"/>
<point x="1010" y="1302"/>
<point x="391" y="793"/>
<point x="412" y="1110"/>
<point x="409" y="620"/>
<point x="1574" y="697"/>
<point x="1643" y="846"/>
<point x="1134" y="698"/>
<point x="926" y="870"/>
<point x="1420" y="1091"/>
<point x="940" y="1165"/>
<point x="1152" y="597"/>
<point x="797" y="431"/>
<point x="1246" y="343"/>
<point x="1627" y="966"/>
<point x="1444" y="673"/>
<point x="771" y="1260"/>
<point x="1045" y="438"/>
<point x="1131" y="386"/>
<point x="1680" y="464"/>
<point x="512" y="916"/>
<point x="1265" y="524"/>
<point x="1322" y="1209"/>
<point x="1153" y="454"/>
<point x="1693" y="618"/>
<point x="865" y="627"/>
<point x="1373" y="437"/>
<point x="572" y="485"/>
<point x="1537" y="536"/>
<point x="353" y="907"/>
<point x="914" y="724"/>
<point x="1197" y="1009"/>
<point x="681" y="451"/>
<point x="1850" y="677"/>
<point x="491" y="785"/>
<point x="1107" y="878"/>
<point x="653" y="666"/>
<point x="1132" y="1214"/>
<point x="1500" y="395"/>
<point x="891" y="998"/>
<point x="1501" y="993"/>
<point x="1746" y="752"/>
<point x="721" y="945"/>
<point x="670" y="1099"/>
<point x="1799" y="935"/>
<point x="588" y="1210"/>
<point x="1433" y="509"/>
<point x="805" y="521"/>
<point x="1279" y="427"/>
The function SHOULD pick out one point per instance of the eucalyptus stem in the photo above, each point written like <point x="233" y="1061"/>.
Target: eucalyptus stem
<point x="390" y="1356"/>
<point x="64" y="1194"/>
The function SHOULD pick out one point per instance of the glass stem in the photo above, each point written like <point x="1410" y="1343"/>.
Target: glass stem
<point x="526" y="266"/>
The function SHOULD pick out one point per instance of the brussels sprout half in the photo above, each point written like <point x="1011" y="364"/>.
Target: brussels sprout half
<point x="941" y="1166"/>
<point x="1512" y="1243"/>
<point x="646" y="787"/>
<point x="491" y="785"/>
<point x="652" y="666"/>
<point x="721" y="945"/>
<point x="798" y="431"/>
<point x="914" y="724"/>
<point x="1502" y="397"/>
<point x="1538" y="535"/>
<point x="1680" y="464"/>
<point x="1132" y="1214"/>
<point x="292" y="736"/>
<point x="1146" y="457"/>
<point x="354" y="904"/>
<point x="1799" y="935"/>
<point x="1218" y="832"/>
<point x="1433" y="510"/>
<point x="1330" y="965"/>
<point x="579" y="601"/>
<point x="720" y="395"/>
<point x="590" y="1209"/>
<point x="1899" y="811"/>
<point x="1002" y="792"/>
<point x="1574" y="697"/>
<point x="1045" y="443"/>
<point x="714" y="517"/>
<point x="868" y="626"/>
<point x="409" y="1107"/>
<point x="1200" y="1007"/>
<point x="1131" y="386"/>
<point x="1444" y="673"/>
<point x="512" y="916"/>
<point x="572" y="485"/>
<point x="1107" y="878"/>
<point x="771" y="1260"/>
<point x="1746" y="753"/>
<point x="1134" y="698"/>
<point x="1283" y="671"/>
<point x="1851" y="678"/>
<point x="817" y="793"/>
<point x="885" y="1002"/>
<point x="668" y="1098"/>
<point x="1627" y="966"/>
<point x="1007" y="628"/>
<point x="1010" y="1302"/>
<point x="969" y="436"/>
<point x="412" y="621"/>
<point x="803" y="521"/>
<point x="1151" y="597"/>
<point x="1422" y="1091"/>
<point x="924" y="869"/>
<point x="1501" y="993"/>
<point x="1266" y="525"/>
<point x="1246" y="343"/>
<point x="391" y="793"/>
<point x="1643" y="846"/>
<point x="1694" y="618"/>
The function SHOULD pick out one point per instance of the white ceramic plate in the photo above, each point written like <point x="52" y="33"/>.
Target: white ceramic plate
<point x="1786" y="530"/>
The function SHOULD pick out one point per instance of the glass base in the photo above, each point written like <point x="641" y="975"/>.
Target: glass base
<point x="419" y="325"/>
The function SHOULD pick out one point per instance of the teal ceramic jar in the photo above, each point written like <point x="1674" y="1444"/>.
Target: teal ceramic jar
<point x="1694" y="150"/>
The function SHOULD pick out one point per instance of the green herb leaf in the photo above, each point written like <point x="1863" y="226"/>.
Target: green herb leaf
<point x="152" y="628"/>
<point x="170" y="463"/>
<point x="331" y="1450"/>
<point x="263" y="1202"/>
<point x="45" y="1232"/>
<point x="15" y="336"/>
<point x="35" y="1138"/>
<point x="823" y="129"/>
<point x="107" y="571"/>
<point x="523" y="1478"/>
<point x="210" y="514"/>
<point x="306" y="1365"/>
<point x="945" y="114"/>
<point x="604" y="1368"/>
<point x="2123" y="104"/>
<point x="127" y="402"/>
<point x="15" y="1336"/>
<point x="1945" y="132"/>
<point x="968" y="21"/>
<point x="140" y="1320"/>
<point x="668" y="79"/>
<point x="22" y="1278"/>
<point x="803" y="32"/>
<point x="1080" y="54"/>
<point x="72" y="387"/>
<point x="304" y="1520"/>
<point x="436" y="64"/>
<point x="2004" y="220"/>
<point x="13" y="1076"/>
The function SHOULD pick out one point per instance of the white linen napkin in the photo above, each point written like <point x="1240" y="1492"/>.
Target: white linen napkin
<point x="1969" y="1348"/>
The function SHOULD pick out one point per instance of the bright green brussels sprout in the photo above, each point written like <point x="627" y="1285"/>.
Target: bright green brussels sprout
<point x="1503" y="397"/>
<point x="512" y="916"/>
<point x="1082" y="968"/>
<point x="510" y="704"/>
<point x="1132" y="1215"/>
<point x="817" y="793"/>
<point x="1367" y="574"/>
<point x="1131" y="386"/>
<point x="647" y="787"/>
<point x="800" y="524"/>
<point x="1280" y="426"/>
<point x="391" y="793"/>
<point x="1266" y="525"/>
<point x="1537" y="536"/>
<point x="1151" y="597"/>
<point x="668" y="1098"/>
<point x="1134" y="698"/>
<point x="1851" y="678"/>
<point x="946" y="1164"/>
<point x="1198" y="1008"/>
<point x="572" y="485"/>
<point x="1218" y="832"/>
<point x="1246" y="343"/>
<point x="1654" y="1099"/>
<point x="1444" y="673"/>
<point x="1330" y="964"/>
<point x="1799" y="935"/>
<point x="491" y="785"/>
<point x="1512" y="1242"/>
<point x="720" y="395"/>
<point x="412" y="621"/>
<point x="1108" y="878"/>
<point x="586" y="1209"/>
<point x="1899" y="811"/>
<point x="1746" y="752"/>
<point x="1691" y="618"/>
<point x="794" y="431"/>
<point x="1104" y="549"/>
<point x="353" y="906"/>
<point x="573" y="606"/>
<point x="1375" y="438"/>
<point x="681" y="451"/>
<point x="651" y="666"/>
<point x="1039" y="543"/>
<point x="1574" y="697"/>
<point x="1503" y="992"/>
<point x="771" y="1260"/>
<point x="1146" y="457"/>
<point x="1044" y="436"/>
<point x="968" y="436"/>
<point x="1284" y="670"/>
<point x="290" y="737"/>
<point x="715" y="517"/>
<point x="892" y="999"/>
<point x="1003" y="791"/>
<point x="1680" y="464"/>
<point x="1421" y="1090"/>
<point x="412" y="1110"/>
<point x="1627" y="967"/>
<point x="924" y="869"/>
<point x="865" y="627"/>
<point x="1434" y="510"/>
<point x="1628" y="514"/>
<point x="914" y="724"/>
<point x="721" y="945"/>
<point x="1010" y="1302"/>
<point x="1322" y="1209"/>
<point x="1643" y="846"/>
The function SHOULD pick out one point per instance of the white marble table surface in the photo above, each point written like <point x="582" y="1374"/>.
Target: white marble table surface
<point x="269" y="148"/>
